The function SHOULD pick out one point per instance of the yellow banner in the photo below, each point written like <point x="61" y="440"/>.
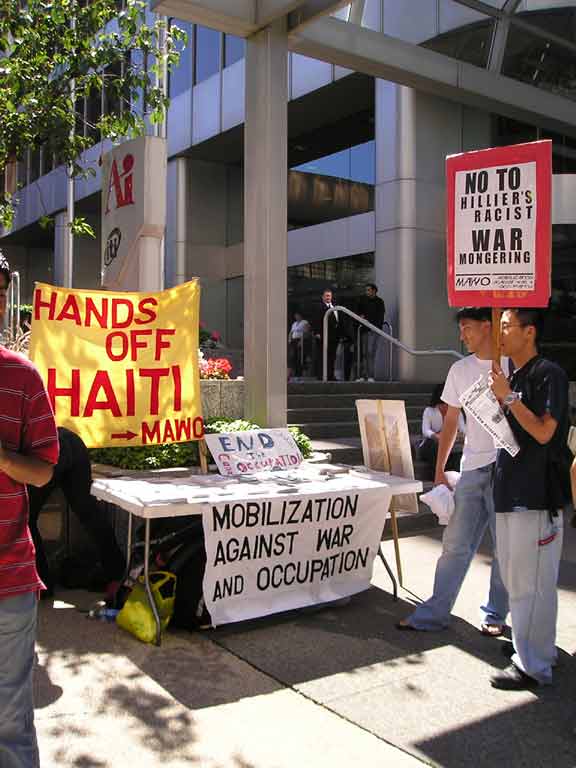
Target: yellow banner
<point x="120" y="368"/>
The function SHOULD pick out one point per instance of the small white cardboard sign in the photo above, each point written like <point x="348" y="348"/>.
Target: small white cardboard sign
<point x="259" y="450"/>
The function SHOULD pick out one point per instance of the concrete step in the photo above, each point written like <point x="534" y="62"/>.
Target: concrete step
<point x="349" y="400"/>
<point x="330" y="414"/>
<point x="377" y="388"/>
<point x="333" y="429"/>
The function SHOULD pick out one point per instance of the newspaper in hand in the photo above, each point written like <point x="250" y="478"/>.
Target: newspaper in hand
<point x="480" y="402"/>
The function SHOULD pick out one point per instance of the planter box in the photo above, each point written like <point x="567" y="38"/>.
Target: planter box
<point x="222" y="399"/>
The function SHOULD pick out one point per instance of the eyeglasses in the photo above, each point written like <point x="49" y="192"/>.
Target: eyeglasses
<point x="507" y="326"/>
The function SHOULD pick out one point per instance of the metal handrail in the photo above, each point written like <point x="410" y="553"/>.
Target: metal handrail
<point x="14" y="303"/>
<point x="380" y="332"/>
<point x="359" y="350"/>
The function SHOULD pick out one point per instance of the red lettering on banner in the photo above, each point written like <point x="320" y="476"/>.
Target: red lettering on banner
<point x="123" y="193"/>
<point x="172" y="430"/>
<point x="135" y="345"/>
<point x="116" y="356"/>
<point x="183" y="428"/>
<point x="101" y="316"/>
<point x="49" y="305"/>
<point x="149" y="313"/>
<point x="151" y="435"/>
<point x="177" y="376"/>
<point x="130" y="394"/>
<point x="127" y="304"/>
<point x="154" y="374"/>
<point x="160" y="343"/>
<point x="73" y="392"/>
<point x="102" y="382"/>
<point x="70" y="311"/>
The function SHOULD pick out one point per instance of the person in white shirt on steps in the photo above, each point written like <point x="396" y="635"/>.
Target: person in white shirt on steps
<point x="473" y="500"/>
<point x="432" y="426"/>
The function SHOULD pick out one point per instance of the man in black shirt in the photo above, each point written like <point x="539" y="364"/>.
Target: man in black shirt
<point x="528" y="496"/>
<point x="371" y="307"/>
<point x="334" y="333"/>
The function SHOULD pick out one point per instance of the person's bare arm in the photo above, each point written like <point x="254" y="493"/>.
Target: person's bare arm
<point x="445" y="444"/>
<point x="25" y="469"/>
<point x="573" y="481"/>
<point x="541" y="428"/>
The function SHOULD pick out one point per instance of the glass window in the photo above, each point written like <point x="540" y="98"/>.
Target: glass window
<point x="355" y="164"/>
<point x="180" y="78"/>
<point x="540" y="63"/>
<point x="207" y="53"/>
<point x="234" y="49"/>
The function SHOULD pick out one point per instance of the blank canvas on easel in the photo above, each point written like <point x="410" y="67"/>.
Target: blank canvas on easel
<point x="386" y="444"/>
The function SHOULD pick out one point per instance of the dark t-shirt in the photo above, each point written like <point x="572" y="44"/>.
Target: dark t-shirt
<point x="373" y="310"/>
<point x="525" y="480"/>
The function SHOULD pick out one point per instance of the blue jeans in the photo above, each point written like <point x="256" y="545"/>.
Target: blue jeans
<point x="18" y="746"/>
<point x="473" y="513"/>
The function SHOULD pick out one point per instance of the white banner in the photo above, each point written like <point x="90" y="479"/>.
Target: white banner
<point x="283" y="552"/>
<point x="257" y="450"/>
<point x="133" y="209"/>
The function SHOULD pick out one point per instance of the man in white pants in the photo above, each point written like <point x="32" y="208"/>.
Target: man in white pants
<point x="529" y="495"/>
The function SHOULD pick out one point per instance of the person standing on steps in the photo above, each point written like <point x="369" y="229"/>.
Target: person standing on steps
<point x="326" y="303"/>
<point x="371" y="308"/>
<point x="473" y="500"/>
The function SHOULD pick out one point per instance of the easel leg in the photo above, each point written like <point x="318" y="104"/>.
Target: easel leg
<point x="394" y="523"/>
<point x="390" y="573"/>
<point x="203" y="450"/>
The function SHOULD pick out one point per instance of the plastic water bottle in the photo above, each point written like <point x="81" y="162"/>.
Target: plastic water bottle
<point x="103" y="614"/>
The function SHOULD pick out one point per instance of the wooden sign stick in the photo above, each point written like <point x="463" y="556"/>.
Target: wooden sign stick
<point x="496" y="352"/>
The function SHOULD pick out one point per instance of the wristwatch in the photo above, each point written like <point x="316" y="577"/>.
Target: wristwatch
<point x="511" y="398"/>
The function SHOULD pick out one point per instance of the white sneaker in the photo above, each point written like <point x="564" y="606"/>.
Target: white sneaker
<point x="371" y="379"/>
<point x="360" y="379"/>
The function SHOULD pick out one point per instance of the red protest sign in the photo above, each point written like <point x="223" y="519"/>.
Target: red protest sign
<point x="498" y="227"/>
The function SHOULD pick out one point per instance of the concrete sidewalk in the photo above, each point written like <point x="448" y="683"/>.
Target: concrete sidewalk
<point x="336" y="687"/>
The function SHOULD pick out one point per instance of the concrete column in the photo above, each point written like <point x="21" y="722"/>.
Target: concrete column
<point x="177" y="221"/>
<point x="414" y="134"/>
<point x="63" y="268"/>
<point x="151" y="264"/>
<point x="265" y="226"/>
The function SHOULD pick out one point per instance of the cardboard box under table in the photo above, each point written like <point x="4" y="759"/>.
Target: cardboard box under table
<point x="276" y="542"/>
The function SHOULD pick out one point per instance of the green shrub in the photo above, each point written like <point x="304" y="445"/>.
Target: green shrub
<point x="174" y="455"/>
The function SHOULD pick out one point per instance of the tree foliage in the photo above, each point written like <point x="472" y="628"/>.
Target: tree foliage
<point x="47" y="44"/>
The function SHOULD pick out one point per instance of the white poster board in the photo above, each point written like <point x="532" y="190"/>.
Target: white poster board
<point x="250" y="452"/>
<point x="133" y="208"/>
<point x="283" y="552"/>
<point x="386" y="444"/>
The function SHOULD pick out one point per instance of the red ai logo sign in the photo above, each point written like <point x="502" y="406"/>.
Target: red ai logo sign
<point x="120" y="183"/>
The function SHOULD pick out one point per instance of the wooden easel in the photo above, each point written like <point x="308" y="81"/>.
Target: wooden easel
<point x="388" y="467"/>
<point x="203" y="451"/>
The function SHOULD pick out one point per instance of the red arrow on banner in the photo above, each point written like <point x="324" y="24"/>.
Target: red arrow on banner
<point x="124" y="435"/>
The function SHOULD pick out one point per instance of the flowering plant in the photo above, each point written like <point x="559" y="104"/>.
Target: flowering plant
<point x="210" y="339"/>
<point x="216" y="368"/>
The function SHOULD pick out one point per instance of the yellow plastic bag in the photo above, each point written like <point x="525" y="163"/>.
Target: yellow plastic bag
<point x="136" y="615"/>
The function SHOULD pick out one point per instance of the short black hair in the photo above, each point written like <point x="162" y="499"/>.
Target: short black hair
<point x="436" y="396"/>
<point x="529" y="316"/>
<point x="371" y="285"/>
<point x="480" y="314"/>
